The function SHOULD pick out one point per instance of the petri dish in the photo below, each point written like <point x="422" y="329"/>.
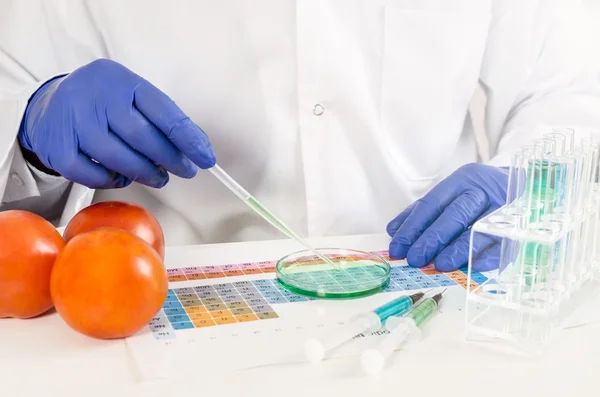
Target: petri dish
<point x="356" y="274"/>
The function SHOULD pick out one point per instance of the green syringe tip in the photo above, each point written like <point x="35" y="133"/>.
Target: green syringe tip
<point x="438" y="297"/>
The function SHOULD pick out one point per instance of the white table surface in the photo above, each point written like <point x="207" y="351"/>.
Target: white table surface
<point x="43" y="357"/>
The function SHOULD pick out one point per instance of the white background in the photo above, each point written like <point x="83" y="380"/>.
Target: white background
<point x="478" y="102"/>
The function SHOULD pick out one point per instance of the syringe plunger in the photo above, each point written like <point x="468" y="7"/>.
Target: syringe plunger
<point x="315" y="348"/>
<point x="373" y="360"/>
<point x="401" y="330"/>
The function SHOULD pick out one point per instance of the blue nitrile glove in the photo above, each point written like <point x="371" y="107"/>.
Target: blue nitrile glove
<point x="437" y="227"/>
<point x="103" y="126"/>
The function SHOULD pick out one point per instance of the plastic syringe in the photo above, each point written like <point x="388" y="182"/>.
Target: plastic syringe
<point x="315" y="348"/>
<point x="402" y="329"/>
<point x="257" y="207"/>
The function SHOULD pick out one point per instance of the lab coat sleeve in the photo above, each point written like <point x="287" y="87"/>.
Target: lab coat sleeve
<point x="39" y="40"/>
<point x="27" y="60"/>
<point x="541" y="76"/>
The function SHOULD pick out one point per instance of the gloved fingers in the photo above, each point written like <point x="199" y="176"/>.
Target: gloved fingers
<point x="82" y="170"/>
<point x="395" y="223"/>
<point x="143" y="136"/>
<point x="488" y="259"/>
<point x="453" y="221"/>
<point x="456" y="255"/>
<point x="511" y="251"/>
<point x="425" y="211"/>
<point x="117" y="156"/>
<point x="157" y="107"/>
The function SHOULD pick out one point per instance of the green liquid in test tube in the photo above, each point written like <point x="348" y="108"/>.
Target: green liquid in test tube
<point x="535" y="256"/>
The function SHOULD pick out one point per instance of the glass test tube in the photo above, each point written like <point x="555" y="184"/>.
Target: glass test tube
<point x="588" y="147"/>
<point x="593" y="148"/>
<point x="514" y="181"/>
<point x="569" y="135"/>
<point x="514" y="215"/>
<point x="515" y="191"/>
<point x="534" y="254"/>
<point x="548" y="176"/>
<point x="512" y="251"/>
<point x="562" y="204"/>
<point x="569" y="166"/>
<point x="595" y="205"/>
<point x="594" y="209"/>
<point x="563" y="214"/>
<point x="559" y="142"/>
<point x="574" y="256"/>
<point x="559" y="151"/>
<point x="590" y="214"/>
<point x="552" y="224"/>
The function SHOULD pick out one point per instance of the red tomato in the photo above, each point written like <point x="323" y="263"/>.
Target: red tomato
<point x="123" y="215"/>
<point x="108" y="283"/>
<point x="29" y="246"/>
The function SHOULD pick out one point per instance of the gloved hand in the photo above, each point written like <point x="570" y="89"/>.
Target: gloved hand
<point x="103" y="126"/>
<point x="437" y="227"/>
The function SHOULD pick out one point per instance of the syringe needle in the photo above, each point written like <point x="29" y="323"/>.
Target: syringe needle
<point x="401" y="329"/>
<point x="316" y="348"/>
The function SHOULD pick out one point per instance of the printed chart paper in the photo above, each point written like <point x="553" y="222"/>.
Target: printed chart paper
<point x="237" y="316"/>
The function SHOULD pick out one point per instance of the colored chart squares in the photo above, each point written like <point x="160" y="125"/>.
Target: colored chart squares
<point x="442" y="280"/>
<point x="405" y="278"/>
<point x="225" y="303"/>
<point x="263" y="267"/>
<point x="273" y="293"/>
<point x="384" y="254"/>
<point x="213" y="305"/>
<point x="193" y="273"/>
<point x="220" y="271"/>
<point x="250" y="268"/>
<point x="231" y="270"/>
<point x="267" y="267"/>
<point x="175" y="275"/>
<point x="161" y="327"/>
<point x="461" y="278"/>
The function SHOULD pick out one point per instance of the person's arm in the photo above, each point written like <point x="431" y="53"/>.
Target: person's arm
<point x="55" y="76"/>
<point x="538" y="72"/>
<point x="27" y="61"/>
<point x="541" y="71"/>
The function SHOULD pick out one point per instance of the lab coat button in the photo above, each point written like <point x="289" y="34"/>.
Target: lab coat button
<point x="16" y="179"/>
<point x="318" y="109"/>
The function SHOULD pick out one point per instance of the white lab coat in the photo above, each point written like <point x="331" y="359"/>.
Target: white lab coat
<point x="336" y="114"/>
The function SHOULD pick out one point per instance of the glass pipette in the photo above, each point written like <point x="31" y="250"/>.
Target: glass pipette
<point x="315" y="348"/>
<point x="402" y="329"/>
<point x="257" y="207"/>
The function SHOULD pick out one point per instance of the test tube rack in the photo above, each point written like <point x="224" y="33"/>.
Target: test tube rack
<point x="546" y="240"/>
